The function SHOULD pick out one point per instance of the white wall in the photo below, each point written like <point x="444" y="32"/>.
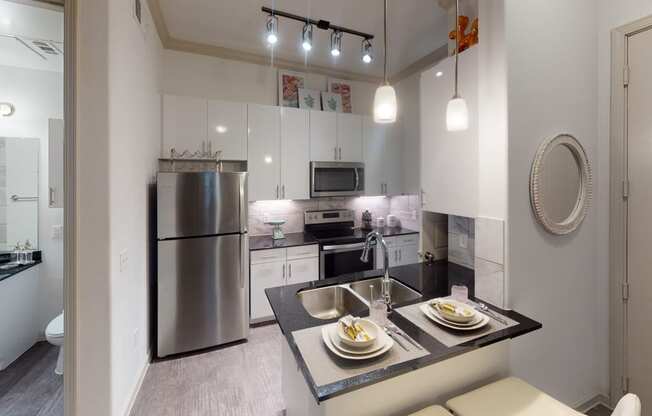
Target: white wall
<point x="209" y="77"/>
<point x="551" y="81"/>
<point x="409" y="131"/>
<point x="38" y="96"/>
<point x="610" y="16"/>
<point x="118" y="145"/>
<point x="134" y="143"/>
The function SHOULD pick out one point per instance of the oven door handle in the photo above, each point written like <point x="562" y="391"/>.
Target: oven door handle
<point x="341" y="247"/>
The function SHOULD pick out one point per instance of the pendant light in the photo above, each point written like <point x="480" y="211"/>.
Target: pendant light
<point x="385" y="98"/>
<point x="457" y="113"/>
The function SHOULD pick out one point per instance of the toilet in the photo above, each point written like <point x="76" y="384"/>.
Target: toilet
<point x="54" y="335"/>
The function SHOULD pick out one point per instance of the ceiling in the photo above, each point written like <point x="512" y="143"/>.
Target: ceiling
<point x="416" y="29"/>
<point x="29" y="23"/>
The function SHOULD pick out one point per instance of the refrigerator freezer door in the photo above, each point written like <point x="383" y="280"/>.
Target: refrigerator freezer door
<point x="203" y="293"/>
<point x="201" y="203"/>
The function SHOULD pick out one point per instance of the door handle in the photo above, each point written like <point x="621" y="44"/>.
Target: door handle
<point x="400" y="254"/>
<point x="357" y="179"/>
<point x="51" y="195"/>
<point x="283" y="191"/>
<point x="335" y="149"/>
<point x="284" y="272"/>
<point x="290" y="270"/>
<point x="276" y="191"/>
<point x="340" y="153"/>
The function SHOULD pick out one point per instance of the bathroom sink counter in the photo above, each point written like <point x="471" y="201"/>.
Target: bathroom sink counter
<point x="430" y="280"/>
<point x="5" y="258"/>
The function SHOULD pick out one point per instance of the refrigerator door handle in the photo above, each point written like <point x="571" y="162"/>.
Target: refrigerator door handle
<point x="244" y="260"/>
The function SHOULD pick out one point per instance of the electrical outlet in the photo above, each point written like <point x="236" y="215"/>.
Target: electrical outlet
<point x="464" y="240"/>
<point x="124" y="260"/>
<point x="57" y="232"/>
<point x="135" y="340"/>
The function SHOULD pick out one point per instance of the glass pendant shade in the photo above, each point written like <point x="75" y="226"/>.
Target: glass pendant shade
<point x="385" y="104"/>
<point x="457" y="114"/>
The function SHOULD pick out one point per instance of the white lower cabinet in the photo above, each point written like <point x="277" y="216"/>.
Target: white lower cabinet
<point x="263" y="276"/>
<point x="279" y="267"/>
<point x="402" y="250"/>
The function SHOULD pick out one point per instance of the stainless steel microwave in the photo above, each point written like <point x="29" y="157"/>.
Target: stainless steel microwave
<point x="336" y="179"/>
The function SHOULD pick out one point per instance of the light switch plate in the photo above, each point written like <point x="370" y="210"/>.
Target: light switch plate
<point x="124" y="259"/>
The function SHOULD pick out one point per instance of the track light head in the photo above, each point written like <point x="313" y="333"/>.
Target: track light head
<point x="367" y="51"/>
<point x="306" y="37"/>
<point x="272" y="30"/>
<point x="336" y="43"/>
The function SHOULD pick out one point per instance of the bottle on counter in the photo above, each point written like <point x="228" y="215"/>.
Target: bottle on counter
<point x="16" y="253"/>
<point x="29" y="253"/>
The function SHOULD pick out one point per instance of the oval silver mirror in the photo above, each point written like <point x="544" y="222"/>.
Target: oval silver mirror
<point x="560" y="184"/>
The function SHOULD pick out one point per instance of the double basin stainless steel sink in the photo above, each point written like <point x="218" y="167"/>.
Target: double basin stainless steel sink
<point x="351" y="298"/>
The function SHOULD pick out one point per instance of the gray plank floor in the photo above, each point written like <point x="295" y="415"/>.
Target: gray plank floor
<point x="239" y="380"/>
<point x="29" y="387"/>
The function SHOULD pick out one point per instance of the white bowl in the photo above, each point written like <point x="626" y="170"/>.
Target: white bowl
<point x="463" y="314"/>
<point x="370" y="328"/>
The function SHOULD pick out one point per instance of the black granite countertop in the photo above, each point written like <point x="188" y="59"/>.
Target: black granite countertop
<point x="430" y="280"/>
<point x="5" y="258"/>
<point x="265" y="242"/>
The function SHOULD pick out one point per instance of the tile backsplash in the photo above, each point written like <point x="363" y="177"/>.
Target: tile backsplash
<point x="405" y="207"/>
<point x="461" y="241"/>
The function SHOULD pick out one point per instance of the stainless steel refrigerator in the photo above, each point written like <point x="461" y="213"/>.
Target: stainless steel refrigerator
<point x="203" y="269"/>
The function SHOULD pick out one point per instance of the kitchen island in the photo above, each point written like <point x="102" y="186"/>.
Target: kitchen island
<point x="439" y="372"/>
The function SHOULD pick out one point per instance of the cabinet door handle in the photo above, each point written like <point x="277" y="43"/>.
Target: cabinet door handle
<point x="284" y="272"/>
<point x="400" y="254"/>
<point x="335" y="149"/>
<point x="290" y="270"/>
<point x="51" y="196"/>
<point x="276" y="191"/>
<point x="283" y="191"/>
<point x="340" y="153"/>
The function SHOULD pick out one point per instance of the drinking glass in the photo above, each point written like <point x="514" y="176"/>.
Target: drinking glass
<point x="377" y="307"/>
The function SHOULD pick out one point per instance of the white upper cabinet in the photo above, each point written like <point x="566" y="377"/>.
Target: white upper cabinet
<point x="449" y="160"/>
<point x="323" y="136"/>
<point x="374" y="154"/>
<point x="184" y="123"/>
<point x="264" y="152"/>
<point x="382" y="158"/>
<point x="295" y="154"/>
<point x="227" y="129"/>
<point x="349" y="137"/>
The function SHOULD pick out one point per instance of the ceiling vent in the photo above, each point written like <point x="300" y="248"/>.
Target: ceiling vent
<point x="42" y="48"/>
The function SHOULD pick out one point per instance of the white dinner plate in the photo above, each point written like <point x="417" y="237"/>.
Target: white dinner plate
<point x="425" y="308"/>
<point x="325" y="334"/>
<point x="476" y="319"/>
<point x="378" y="343"/>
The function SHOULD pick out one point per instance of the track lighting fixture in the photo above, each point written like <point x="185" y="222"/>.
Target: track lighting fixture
<point x="272" y="30"/>
<point x="367" y="51"/>
<point x="306" y="37"/>
<point x="306" y="34"/>
<point x="336" y="43"/>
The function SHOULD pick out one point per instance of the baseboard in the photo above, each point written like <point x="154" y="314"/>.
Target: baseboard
<point x="594" y="401"/>
<point x="141" y="379"/>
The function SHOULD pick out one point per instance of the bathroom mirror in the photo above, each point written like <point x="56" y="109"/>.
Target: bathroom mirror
<point x="19" y="162"/>
<point x="560" y="184"/>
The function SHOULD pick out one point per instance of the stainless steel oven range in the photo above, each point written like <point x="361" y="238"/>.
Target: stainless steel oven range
<point x="340" y="244"/>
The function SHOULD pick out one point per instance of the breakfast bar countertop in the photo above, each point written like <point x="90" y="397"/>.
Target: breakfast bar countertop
<point x="431" y="281"/>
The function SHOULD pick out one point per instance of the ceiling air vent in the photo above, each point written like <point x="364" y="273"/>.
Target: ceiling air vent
<point x="45" y="47"/>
